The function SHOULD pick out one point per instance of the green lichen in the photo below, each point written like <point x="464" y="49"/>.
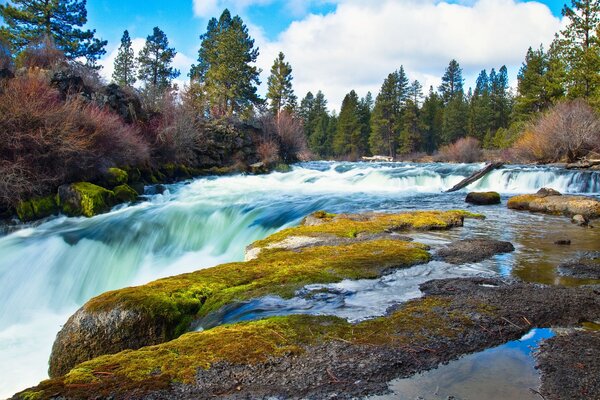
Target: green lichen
<point x="353" y="225"/>
<point x="125" y="194"/>
<point x="521" y="202"/>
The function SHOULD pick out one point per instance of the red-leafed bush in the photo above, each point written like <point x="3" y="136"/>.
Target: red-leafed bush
<point x="45" y="141"/>
<point x="464" y="150"/>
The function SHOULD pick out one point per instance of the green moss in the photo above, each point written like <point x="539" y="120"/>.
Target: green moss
<point x="87" y="200"/>
<point x="353" y="225"/>
<point x="283" y="168"/>
<point x="116" y="177"/>
<point x="125" y="194"/>
<point x="37" y="208"/>
<point x="521" y="202"/>
<point x="32" y="395"/>
<point x="276" y="272"/>
<point x="411" y="326"/>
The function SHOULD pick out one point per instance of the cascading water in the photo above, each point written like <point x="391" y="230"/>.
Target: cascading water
<point x="49" y="270"/>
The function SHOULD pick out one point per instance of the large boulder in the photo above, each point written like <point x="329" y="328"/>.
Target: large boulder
<point x="549" y="201"/>
<point x="84" y="199"/>
<point x="483" y="198"/>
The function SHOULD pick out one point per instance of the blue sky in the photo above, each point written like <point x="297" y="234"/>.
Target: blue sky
<point x="339" y="45"/>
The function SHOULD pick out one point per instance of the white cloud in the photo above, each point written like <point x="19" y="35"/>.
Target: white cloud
<point x="212" y="8"/>
<point x="362" y="41"/>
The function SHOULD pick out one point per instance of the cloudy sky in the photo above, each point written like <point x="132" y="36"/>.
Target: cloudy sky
<point x="339" y="45"/>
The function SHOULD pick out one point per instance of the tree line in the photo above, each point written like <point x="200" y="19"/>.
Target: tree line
<point x="400" y="119"/>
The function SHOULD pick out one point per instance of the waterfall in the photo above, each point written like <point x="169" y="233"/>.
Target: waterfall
<point x="49" y="270"/>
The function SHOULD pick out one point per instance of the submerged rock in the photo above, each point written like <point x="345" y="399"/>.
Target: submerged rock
<point x="483" y="198"/>
<point x="585" y="267"/>
<point x="550" y="201"/>
<point x="170" y="306"/>
<point x="580" y="220"/>
<point x="472" y="250"/>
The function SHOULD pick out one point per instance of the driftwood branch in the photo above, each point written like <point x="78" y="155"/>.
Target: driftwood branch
<point x="476" y="176"/>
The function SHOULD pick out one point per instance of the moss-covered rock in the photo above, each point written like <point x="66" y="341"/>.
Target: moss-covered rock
<point x="164" y="309"/>
<point x="551" y="202"/>
<point x="315" y="357"/>
<point x="125" y="194"/>
<point x="116" y="177"/>
<point x="84" y="199"/>
<point x="37" y="208"/>
<point x="483" y="198"/>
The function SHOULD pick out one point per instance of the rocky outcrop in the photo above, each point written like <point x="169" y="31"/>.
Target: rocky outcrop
<point x="483" y="198"/>
<point x="472" y="250"/>
<point x="169" y="307"/>
<point x="549" y="201"/>
<point x="324" y="357"/>
<point x="121" y="101"/>
<point x="84" y="199"/>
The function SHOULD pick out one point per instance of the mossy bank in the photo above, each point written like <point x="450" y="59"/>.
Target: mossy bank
<point x="160" y="311"/>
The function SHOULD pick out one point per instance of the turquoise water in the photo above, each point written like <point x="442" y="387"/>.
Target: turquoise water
<point x="49" y="270"/>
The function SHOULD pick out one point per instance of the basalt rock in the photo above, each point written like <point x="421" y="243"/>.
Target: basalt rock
<point x="164" y="309"/>
<point x="299" y="357"/>
<point x="85" y="199"/>
<point x="549" y="201"/>
<point x="483" y="198"/>
<point x="585" y="267"/>
<point x="472" y="250"/>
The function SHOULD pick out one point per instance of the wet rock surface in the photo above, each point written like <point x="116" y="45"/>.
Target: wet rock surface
<point x="457" y="316"/>
<point x="585" y="267"/>
<point x="570" y="366"/>
<point x="549" y="201"/>
<point x="472" y="250"/>
<point x="483" y="198"/>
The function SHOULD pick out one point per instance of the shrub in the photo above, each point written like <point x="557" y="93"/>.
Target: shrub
<point x="175" y="132"/>
<point x="569" y="131"/>
<point x="464" y="150"/>
<point x="287" y="131"/>
<point x="45" y="141"/>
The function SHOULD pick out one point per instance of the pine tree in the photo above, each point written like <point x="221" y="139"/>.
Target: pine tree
<point x="452" y="82"/>
<point x="431" y="120"/>
<point x="125" y="63"/>
<point x="581" y="48"/>
<point x="386" y="116"/>
<point x="415" y="92"/>
<point x="532" y="96"/>
<point x="349" y="129"/>
<point x="279" y="87"/>
<point x="481" y="108"/>
<point x="319" y="142"/>
<point x="155" y="61"/>
<point x="412" y="132"/>
<point x="500" y="99"/>
<point x="29" y="21"/>
<point x="365" y="109"/>
<point x="225" y="67"/>
<point x="454" y="124"/>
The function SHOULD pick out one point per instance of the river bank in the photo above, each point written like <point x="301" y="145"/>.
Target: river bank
<point x="211" y="220"/>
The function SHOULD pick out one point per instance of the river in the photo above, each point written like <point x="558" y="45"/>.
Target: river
<point x="50" y="269"/>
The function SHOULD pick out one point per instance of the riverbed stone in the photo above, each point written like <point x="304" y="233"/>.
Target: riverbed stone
<point x="170" y="307"/>
<point x="549" y="201"/>
<point x="472" y="250"/>
<point x="586" y="266"/>
<point x="483" y="198"/>
<point x="326" y="357"/>
<point x="580" y="220"/>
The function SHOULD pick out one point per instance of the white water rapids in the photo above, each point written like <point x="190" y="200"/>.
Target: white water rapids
<point x="49" y="270"/>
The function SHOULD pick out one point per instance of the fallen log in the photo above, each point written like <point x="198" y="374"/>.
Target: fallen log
<point x="476" y="176"/>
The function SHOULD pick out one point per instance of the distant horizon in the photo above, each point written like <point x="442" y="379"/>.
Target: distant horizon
<point x="340" y="45"/>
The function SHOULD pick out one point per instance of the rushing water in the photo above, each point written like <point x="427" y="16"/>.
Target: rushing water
<point x="49" y="270"/>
